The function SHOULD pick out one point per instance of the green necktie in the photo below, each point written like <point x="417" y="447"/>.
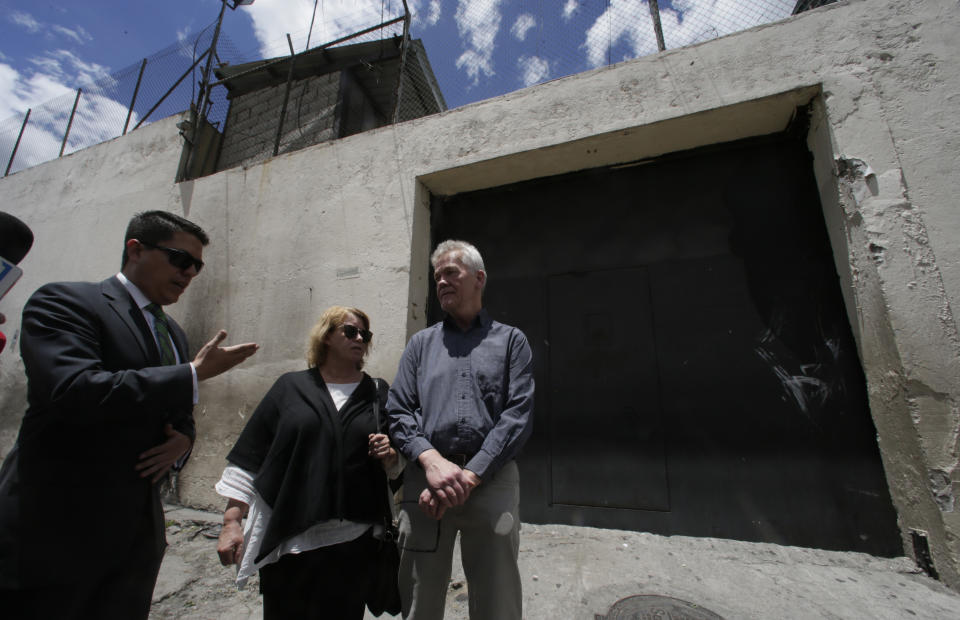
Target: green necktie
<point x="167" y="356"/>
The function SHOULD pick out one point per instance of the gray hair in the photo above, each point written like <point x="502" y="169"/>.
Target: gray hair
<point x="465" y="252"/>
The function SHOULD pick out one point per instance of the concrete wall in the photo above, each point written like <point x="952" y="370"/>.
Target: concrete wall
<point x="347" y="221"/>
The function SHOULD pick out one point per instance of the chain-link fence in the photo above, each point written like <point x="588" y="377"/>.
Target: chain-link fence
<point x="504" y="46"/>
<point x="386" y="68"/>
<point x="163" y="84"/>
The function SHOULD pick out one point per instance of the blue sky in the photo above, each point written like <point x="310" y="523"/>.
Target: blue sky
<point x="478" y="48"/>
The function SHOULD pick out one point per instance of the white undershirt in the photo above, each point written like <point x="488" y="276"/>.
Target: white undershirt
<point x="237" y="483"/>
<point x="340" y="392"/>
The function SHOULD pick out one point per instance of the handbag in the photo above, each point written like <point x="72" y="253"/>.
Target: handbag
<point x="383" y="589"/>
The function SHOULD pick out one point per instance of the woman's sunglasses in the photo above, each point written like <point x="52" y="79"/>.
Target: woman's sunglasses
<point x="181" y="259"/>
<point x="351" y="331"/>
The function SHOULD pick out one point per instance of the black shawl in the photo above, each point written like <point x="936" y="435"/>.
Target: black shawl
<point x="309" y="460"/>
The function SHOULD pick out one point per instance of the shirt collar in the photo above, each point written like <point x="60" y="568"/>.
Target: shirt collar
<point x="138" y="297"/>
<point x="481" y="320"/>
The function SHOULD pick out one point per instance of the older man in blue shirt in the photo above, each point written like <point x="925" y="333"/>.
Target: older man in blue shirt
<point x="461" y="408"/>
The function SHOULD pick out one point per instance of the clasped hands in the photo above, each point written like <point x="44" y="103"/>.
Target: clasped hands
<point x="447" y="484"/>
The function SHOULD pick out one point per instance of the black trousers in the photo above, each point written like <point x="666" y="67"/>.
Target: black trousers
<point x="328" y="582"/>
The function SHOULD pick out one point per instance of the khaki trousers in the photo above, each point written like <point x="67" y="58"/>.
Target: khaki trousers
<point x="489" y="527"/>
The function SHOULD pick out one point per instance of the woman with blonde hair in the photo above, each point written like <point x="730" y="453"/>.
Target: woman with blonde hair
<point x="308" y="473"/>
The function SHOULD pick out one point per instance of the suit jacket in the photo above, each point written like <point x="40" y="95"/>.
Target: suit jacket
<point x="70" y="498"/>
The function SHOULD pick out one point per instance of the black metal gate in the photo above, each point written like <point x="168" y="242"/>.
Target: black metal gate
<point x="695" y="368"/>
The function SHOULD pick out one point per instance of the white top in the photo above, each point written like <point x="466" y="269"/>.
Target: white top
<point x="237" y="483"/>
<point x="340" y="392"/>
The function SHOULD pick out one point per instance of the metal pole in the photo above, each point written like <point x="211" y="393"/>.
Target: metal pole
<point x="361" y="32"/>
<point x="286" y="98"/>
<point x="310" y="32"/>
<point x="133" y="100"/>
<point x="167" y="94"/>
<point x="655" y="14"/>
<point x="66" y="134"/>
<point x="404" y="50"/>
<point x="204" y="92"/>
<point x="204" y="85"/>
<point x="261" y="67"/>
<point x="16" y="145"/>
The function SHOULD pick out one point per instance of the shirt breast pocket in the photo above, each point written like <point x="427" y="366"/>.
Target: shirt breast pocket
<point x="491" y="372"/>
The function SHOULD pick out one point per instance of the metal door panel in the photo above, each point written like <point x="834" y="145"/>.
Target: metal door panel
<point x="606" y="434"/>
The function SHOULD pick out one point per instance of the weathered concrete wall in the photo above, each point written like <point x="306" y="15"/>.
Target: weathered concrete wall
<point x="347" y="221"/>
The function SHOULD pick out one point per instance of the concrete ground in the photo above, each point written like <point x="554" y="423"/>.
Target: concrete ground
<point x="580" y="572"/>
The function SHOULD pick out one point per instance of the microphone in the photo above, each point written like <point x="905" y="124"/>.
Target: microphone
<point x="16" y="238"/>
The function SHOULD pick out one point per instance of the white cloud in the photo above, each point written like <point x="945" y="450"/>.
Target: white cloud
<point x="533" y="69"/>
<point x="25" y="21"/>
<point x="37" y="90"/>
<point x="630" y="20"/>
<point x="37" y="145"/>
<point x="273" y="19"/>
<point x="67" y="68"/>
<point x="704" y="20"/>
<point x="431" y="17"/>
<point x="568" y="8"/>
<point x="184" y="33"/>
<point x="478" y="22"/>
<point x="523" y="25"/>
<point x="98" y="118"/>
<point x="46" y="93"/>
<point x="79" y="35"/>
<point x="11" y="102"/>
<point x="623" y="19"/>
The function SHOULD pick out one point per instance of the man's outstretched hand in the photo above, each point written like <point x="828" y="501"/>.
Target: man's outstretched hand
<point x="213" y="359"/>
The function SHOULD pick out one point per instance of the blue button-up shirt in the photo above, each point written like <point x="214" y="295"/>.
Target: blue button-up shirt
<point x="464" y="393"/>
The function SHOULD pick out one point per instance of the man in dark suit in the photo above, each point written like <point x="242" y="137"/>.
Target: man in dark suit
<point x="110" y="394"/>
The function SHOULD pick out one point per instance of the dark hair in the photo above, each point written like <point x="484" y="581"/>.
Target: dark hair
<point x="155" y="227"/>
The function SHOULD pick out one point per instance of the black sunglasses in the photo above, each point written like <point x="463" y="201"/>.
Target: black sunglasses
<point x="181" y="259"/>
<point x="351" y="331"/>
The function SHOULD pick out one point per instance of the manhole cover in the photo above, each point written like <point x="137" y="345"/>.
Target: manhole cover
<point x="654" y="607"/>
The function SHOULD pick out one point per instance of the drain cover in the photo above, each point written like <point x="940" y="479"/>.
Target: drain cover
<point x="654" y="607"/>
